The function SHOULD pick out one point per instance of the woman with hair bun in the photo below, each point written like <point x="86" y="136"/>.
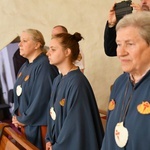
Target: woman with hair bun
<point x="73" y="118"/>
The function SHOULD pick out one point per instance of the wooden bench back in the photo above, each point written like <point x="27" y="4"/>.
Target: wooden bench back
<point x="11" y="140"/>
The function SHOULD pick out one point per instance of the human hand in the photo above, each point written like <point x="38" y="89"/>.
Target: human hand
<point x="112" y="20"/>
<point x="16" y="123"/>
<point x="136" y="7"/>
<point x="48" y="146"/>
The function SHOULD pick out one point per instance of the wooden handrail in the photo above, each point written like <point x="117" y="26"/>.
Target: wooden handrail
<point x="12" y="138"/>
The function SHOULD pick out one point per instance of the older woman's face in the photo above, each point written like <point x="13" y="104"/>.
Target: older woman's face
<point x="132" y="50"/>
<point x="27" y="45"/>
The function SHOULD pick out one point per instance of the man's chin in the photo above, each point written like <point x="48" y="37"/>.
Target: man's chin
<point x="145" y="8"/>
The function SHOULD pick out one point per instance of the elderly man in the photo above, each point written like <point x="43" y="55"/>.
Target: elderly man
<point x="110" y="33"/>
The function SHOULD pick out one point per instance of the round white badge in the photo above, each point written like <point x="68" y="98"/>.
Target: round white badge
<point x="52" y="113"/>
<point x="121" y="134"/>
<point x="18" y="90"/>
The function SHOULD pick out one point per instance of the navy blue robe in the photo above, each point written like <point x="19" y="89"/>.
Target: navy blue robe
<point x="137" y="123"/>
<point x="36" y="81"/>
<point x="77" y="125"/>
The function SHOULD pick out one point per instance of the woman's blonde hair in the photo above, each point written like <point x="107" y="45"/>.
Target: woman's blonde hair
<point x="37" y="37"/>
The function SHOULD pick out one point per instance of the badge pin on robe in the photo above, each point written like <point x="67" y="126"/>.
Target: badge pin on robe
<point x="52" y="113"/>
<point x="144" y="108"/>
<point x="26" y="78"/>
<point x="20" y="74"/>
<point x="18" y="90"/>
<point x="121" y="135"/>
<point x="112" y="105"/>
<point x="62" y="102"/>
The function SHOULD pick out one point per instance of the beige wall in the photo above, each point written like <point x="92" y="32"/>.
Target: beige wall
<point x="85" y="16"/>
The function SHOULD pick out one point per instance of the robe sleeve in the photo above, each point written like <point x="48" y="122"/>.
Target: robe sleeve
<point x="110" y="41"/>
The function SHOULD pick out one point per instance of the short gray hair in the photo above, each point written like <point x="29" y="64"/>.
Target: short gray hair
<point x="140" y="20"/>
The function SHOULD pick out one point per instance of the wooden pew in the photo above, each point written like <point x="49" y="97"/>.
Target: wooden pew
<point x="11" y="140"/>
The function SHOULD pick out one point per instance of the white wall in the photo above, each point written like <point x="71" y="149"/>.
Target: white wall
<point x="85" y="16"/>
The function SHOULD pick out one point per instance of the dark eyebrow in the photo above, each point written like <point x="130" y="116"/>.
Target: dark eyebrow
<point x="51" y="47"/>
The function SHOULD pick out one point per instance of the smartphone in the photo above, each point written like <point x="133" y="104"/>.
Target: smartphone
<point x="122" y="8"/>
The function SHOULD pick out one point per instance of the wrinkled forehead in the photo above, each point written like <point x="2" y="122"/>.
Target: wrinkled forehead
<point x="127" y="29"/>
<point x="128" y="32"/>
<point x="57" y="30"/>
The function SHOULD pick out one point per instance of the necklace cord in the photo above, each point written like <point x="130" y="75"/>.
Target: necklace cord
<point x="125" y="108"/>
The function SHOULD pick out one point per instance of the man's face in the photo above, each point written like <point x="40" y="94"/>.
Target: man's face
<point x="145" y="4"/>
